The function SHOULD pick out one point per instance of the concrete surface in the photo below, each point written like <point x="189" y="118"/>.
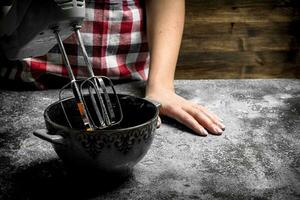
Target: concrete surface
<point x="256" y="158"/>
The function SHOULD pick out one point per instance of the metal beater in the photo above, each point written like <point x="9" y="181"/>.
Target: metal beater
<point x="101" y="113"/>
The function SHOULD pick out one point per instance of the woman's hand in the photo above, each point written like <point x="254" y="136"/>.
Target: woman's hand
<point x="165" y="21"/>
<point x="194" y="116"/>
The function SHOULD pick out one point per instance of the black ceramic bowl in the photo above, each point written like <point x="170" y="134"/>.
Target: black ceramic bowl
<point x="116" y="149"/>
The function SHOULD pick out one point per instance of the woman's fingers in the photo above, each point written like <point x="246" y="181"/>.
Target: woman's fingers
<point x="185" y="118"/>
<point x="204" y="120"/>
<point x="200" y="107"/>
<point x="192" y="115"/>
<point x="214" y="118"/>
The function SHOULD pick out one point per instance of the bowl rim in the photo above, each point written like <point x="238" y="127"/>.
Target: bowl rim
<point x="102" y="131"/>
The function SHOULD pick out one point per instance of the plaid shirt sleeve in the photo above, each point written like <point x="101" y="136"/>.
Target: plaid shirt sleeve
<point x="114" y="36"/>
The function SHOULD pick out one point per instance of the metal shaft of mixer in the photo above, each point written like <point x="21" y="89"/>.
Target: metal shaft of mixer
<point x="76" y="91"/>
<point x="107" y="109"/>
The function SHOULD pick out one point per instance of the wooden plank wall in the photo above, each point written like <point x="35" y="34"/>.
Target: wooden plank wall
<point x="240" y="39"/>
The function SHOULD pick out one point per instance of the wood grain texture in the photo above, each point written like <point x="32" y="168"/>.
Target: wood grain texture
<point x="240" y="39"/>
<point x="245" y="29"/>
<point x="224" y="43"/>
<point x="238" y="72"/>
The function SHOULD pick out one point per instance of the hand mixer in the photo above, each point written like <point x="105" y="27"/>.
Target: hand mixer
<point x="30" y="28"/>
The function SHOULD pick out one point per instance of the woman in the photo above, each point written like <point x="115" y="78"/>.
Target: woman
<point x="120" y="36"/>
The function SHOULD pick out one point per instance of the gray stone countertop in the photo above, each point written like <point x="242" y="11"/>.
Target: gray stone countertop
<point x="257" y="157"/>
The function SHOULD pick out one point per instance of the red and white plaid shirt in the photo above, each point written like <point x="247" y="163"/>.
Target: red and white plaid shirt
<point x="115" y="39"/>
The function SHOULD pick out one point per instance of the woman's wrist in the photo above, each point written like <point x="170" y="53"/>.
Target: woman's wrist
<point x="155" y="86"/>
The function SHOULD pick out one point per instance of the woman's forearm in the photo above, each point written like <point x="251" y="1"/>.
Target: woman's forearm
<point x="165" y="21"/>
